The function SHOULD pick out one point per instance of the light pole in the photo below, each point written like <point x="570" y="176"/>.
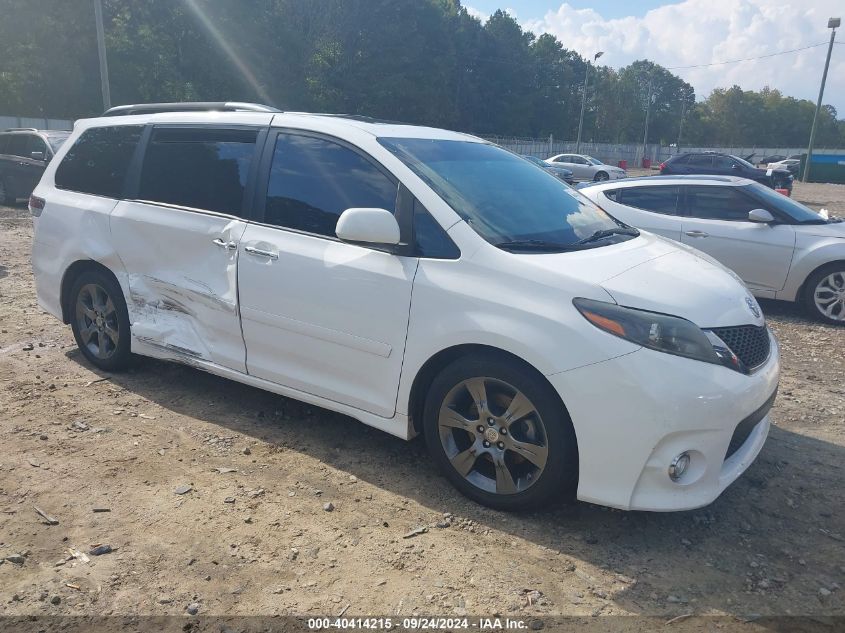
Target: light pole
<point x="647" y="112"/>
<point x="584" y="101"/>
<point x="832" y="24"/>
<point x="101" y="53"/>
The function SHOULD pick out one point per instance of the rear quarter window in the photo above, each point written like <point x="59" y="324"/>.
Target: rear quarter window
<point x="99" y="161"/>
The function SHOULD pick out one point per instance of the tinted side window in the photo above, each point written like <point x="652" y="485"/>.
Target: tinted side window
<point x="200" y="168"/>
<point x="613" y="194"/>
<point x="680" y="160"/>
<point x="700" y="160"/>
<point x="719" y="203"/>
<point x="35" y="144"/>
<point x="17" y="144"/>
<point x="313" y="181"/>
<point x="98" y="161"/>
<point x="723" y="162"/>
<point x="657" y="199"/>
<point x="431" y="239"/>
<point x="4" y="144"/>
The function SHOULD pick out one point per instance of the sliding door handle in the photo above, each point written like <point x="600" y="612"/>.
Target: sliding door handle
<point x="260" y="253"/>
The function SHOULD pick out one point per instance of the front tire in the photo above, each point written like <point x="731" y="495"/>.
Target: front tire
<point x="601" y="176"/>
<point x="824" y="294"/>
<point x="500" y="434"/>
<point x="4" y="194"/>
<point x="100" y="321"/>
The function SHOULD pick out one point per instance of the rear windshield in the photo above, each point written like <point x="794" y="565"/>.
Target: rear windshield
<point x="500" y="195"/>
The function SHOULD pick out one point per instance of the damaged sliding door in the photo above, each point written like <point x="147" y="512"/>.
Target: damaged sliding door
<point x="178" y="241"/>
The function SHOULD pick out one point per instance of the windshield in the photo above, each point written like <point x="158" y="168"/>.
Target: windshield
<point x="536" y="161"/>
<point x="502" y="197"/>
<point x="742" y="161"/>
<point x="786" y="205"/>
<point x="593" y="161"/>
<point x="56" y="140"/>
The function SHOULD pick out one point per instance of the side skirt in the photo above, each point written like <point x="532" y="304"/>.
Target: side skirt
<point x="399" y="425"/>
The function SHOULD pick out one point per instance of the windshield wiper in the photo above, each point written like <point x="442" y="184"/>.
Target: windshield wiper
<point x="532" y="245"/>
<point x="605" y="233"/>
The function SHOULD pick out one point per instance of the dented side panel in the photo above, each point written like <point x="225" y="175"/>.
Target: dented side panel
<point x="182" y="275"/>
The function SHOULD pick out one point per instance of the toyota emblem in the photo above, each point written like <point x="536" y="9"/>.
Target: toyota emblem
<point x="753" y="307"/>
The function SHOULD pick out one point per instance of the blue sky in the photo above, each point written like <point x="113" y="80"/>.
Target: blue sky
<point x="536" y="9"/>
<point x="702" y="33"/>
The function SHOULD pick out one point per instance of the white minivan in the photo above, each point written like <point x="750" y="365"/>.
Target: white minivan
<point x="419" y="280"/>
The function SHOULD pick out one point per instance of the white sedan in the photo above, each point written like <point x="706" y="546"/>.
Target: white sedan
<point x="585" y="167"/>
<point x="780" y="248"/>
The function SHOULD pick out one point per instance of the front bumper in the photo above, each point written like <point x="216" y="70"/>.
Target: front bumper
<point x="634" y="414"/>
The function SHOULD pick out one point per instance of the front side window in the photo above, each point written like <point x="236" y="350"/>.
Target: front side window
<point x="663" y="199"/>
<point x="719" y="203"/>
<point x="199" y="168"/>
<point x="782" y="206"/>
<point x="700" y="160"/>
<point x="98" y="161"/>
<point x="723" y="162"/>
<point x="505" y="200"/>
<point x="314" y="180"/>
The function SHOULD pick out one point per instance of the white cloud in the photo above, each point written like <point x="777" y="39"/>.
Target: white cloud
<point x="705" y="31"/>
<point x="476" y="13"/>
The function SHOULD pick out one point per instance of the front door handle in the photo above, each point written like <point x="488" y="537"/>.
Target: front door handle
<point x="230" y="246"/>
<point x="697" y="234"/>
<point x="259" y="253"/>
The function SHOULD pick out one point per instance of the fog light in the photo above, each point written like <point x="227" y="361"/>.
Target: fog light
<point x="679" y="466"/>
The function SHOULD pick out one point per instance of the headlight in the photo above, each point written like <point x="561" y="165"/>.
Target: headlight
<point x="661" y="332"/>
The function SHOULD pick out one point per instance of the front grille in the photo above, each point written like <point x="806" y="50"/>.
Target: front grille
<point x="744" y="428"/>
<point x="750" y="343"/>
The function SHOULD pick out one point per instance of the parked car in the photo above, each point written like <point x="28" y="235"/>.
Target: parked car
<point x="561" y="172"/>
<point x="792" y="165"/>
<point x="713" y="163"/>
<point x="24" y="153"/>
<point x="418" y="280"/>
<point x="585" y="167"/>
<point x="780" y="248"/>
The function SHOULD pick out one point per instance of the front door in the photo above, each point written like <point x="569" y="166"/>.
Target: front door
<point x="178" y="241"/>
<point x="717" y="223"/>
<point x="319" y="315"/>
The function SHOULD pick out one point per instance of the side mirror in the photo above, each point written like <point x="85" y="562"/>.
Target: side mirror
<point x="36" y="155"/>
<point x="760" y="216"/>
<point x="368" y="226"/>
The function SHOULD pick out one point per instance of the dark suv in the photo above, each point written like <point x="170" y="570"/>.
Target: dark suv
<point x="725" y="165"/>
<point x="24" y="153"/>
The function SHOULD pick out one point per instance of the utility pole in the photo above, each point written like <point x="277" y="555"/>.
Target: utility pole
<point x="681" y="126"/>
<point x="101" y="52"/>
<point x="584" y="101"/>
<point x="647" y="112"/>
<point x="832" y="23"/>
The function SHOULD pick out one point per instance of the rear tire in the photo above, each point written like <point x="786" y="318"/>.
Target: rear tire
<point x="824" y="294"/>
<point x="100" y="321"/>
<point x="500" y="434"/>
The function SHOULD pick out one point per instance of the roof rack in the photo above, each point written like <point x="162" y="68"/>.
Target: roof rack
<point x="20" y="129"/>
<point x="195" y="106"/>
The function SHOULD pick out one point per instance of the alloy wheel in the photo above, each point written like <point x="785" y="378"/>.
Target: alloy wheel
<point x="97" y="321"/>
<point x="829" y="296"/>
<point x="493" y="435"/>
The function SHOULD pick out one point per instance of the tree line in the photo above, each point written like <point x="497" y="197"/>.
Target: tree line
<point x="418" y="61"/>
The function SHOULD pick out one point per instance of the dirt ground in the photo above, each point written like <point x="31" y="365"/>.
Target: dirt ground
<point x="253" y="536"/>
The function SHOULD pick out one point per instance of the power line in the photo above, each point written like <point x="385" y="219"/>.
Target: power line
<point x="747" y="59"/>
